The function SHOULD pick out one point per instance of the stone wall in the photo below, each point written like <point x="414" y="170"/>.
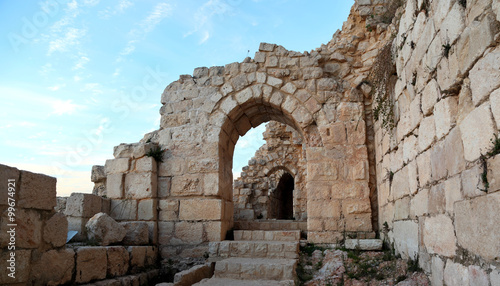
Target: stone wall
<point x="38" y="242"/>
<point x="434" y="202"/>
<point x="253" y="192"/>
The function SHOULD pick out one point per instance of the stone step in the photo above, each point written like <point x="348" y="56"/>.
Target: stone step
<point x="364" y="244"/>
<point x="251" y="268"/>
<point x="254" y="249"/>
<point x="270" y="225"/>
<point x="268" y="235"/>
<point x="235" y="282"/>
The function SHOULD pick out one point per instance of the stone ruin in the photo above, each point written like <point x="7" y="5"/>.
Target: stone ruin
<point x="389" y="130"/>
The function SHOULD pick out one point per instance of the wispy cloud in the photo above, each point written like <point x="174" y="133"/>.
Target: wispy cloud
<point x="71" y="38"/>
<point x="81" y="62"/>
<point x="62" y="107"/>
<point x="203" y="17"/>
<point x="56" y="87"/>
<point x="94" y="87"/>
<point x="147" y="25"/>
<point x="117" y="9"/>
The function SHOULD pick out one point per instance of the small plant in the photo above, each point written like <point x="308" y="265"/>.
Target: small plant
<point x="463" y="3"/>
<point x="318" y="265"/>
<point x="156" y="153"/>
<point x="496" y="146"/>
<point x="412" y="45"/>
<point x="260" y="216"/>
<point x="446" y="50"/>
<point x="206" y="255"/>
<point x="369" y="28"/>
<point x="495" y="150"/>
<point x="401" y="278"/>
<point x="413" y="265"/>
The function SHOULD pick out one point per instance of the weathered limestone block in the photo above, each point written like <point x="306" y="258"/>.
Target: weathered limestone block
<point x="430" y="96"/>
<point x="485" y="76"/>
<point x="165" y="232"/>
<point x="135" y="150"/>
<point x="402" y="208"/>
<point x="439" y="235"/>
<point x="426" y="133"/>
<point x="200" y="209"/>
<point x="400" y="186"/>
<point x="477" y="131"/>
<point x="478" y="276"/>
<point x="476" y="225"/>
<point x="117" y="166"/>
<point x="419" y="204"/>
<point x="7" y="173"/>
<point x="56" y="230"/>
<point x="475" y="39"/>
<point x="495" y="105"/>
<point x="494" y="173"/>
<point x="28" y="231"/>
<point x="472" y="184"/>
<point x="169" y="210"/>
<point x="364" y="244"/>
<point x="36" y="191"/>
<point x="406" y="238"/>
<point x="453" y="194"/>
<point x="146" y="164"/>
<point x="445" y="112"/>
<point x="91" y="264"/>
<point x="98" y="174"/>
<point x="55" y="267"/>
<point x="188" y="233"/>
<point x="137" y="257"/>
<point x="61" y="204"/>
<point x="164" y="184"/>
<point x="495" y="274"/>
<point x="456" y="274"/>
<point x="83" y="205"/>
<point x="193" y="275"/>
<point x="115" y="186"/>
<point x="453" y="25"/>
<point x="437" y="197"/>
<point x="424" y="168"/>
<point x="118" y="261"/>
<point x="437" y="271"/>
<point x="447" y="157"/>
<point x="357" y="222"/>
<point x="188" y="185"/>
<point x="147" y="209"/>
<point x="22" y="267"/>
<point x="141" y="185"/>
<point x="104" y="230"/>
<point x="136" y="233"/>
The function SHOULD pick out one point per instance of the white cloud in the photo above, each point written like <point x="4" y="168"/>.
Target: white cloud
<point x="81" y="62"/>
<point x="94" y="87"/>
<point x="77" y="78"/>
<point x="56" y="87"/>
<point x="46" y="69"/>
<point x="202" y="19"/>
<point x="148" y="24"/>
<point x="71" y="38"/>
<point x="117" y="72"/>
<point x="117" y="9"/>
<point x="61" y="107"/>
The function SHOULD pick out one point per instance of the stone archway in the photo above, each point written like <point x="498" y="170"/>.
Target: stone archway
<point x="204" y="115"/>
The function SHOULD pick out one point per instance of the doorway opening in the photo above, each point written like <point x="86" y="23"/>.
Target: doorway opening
<point x="281" y="198"/>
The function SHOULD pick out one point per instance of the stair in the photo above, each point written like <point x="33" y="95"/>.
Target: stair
<point x="255" y="257"/>
<point x="268" y="235"/>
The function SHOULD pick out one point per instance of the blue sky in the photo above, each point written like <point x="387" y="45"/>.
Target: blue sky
<point x="81" y="76"/>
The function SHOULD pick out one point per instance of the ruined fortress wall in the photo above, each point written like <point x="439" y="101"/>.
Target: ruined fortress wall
<point x="439" y="198"/>
<point x="255" y="191"/>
